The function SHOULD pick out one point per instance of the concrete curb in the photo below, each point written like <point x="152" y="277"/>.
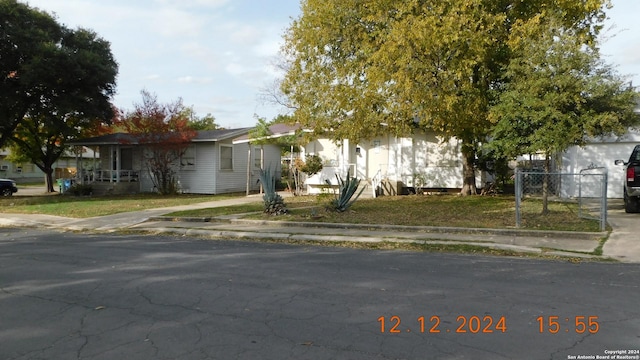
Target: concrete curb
<point x="426" y="229"/>
<point x="247" y="235"/>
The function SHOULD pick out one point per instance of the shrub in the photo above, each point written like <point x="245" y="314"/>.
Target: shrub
<point x="312" y="165"/>
<point x="80" y="190"/>
<point x="346" y="189"/>
<point x="273" y="202"/>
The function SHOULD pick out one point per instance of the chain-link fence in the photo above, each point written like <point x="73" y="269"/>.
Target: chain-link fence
<point x="588" y="189"/>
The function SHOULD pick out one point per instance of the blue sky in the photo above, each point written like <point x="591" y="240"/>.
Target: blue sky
<point x="217" y="54"/>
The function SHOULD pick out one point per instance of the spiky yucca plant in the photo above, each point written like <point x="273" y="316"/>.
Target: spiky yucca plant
<point x="346" y="189"/>
<point x="273" y="202"/>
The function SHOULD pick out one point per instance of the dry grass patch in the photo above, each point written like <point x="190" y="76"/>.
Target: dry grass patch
<point x="83" y="207"/>
<point x="448" y="210"/>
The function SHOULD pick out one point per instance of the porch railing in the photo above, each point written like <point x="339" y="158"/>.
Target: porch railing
<point x="109" y="176"/>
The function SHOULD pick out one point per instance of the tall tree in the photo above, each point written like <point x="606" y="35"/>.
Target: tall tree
<point x="382" y="66"/>
<point x="41" y="138"/>
<point x="558" y="93"/>
<point x="164" y="132"/>
<point x="74" y="102"/>
<point x="207" y="122"/>
<point x="46" y="67"/>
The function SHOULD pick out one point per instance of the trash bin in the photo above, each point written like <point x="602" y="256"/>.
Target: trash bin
<point x="64" y="185"/>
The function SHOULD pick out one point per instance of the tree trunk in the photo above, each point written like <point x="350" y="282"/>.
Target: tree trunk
<point x="468" y="170"/>
<point x="48" y="179"/>
<point x="545" y="186"/>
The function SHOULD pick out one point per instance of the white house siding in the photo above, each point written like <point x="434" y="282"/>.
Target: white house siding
<point x="332" y="163"/>
<point x="329" y="152"/>
<point x="426" y="160"/>
<point x="232" y="180"/>
<point x="444" y="164"/>
<point x="377" y="157"/>
<point x="236" y="180"/>
<point x="422" y="159"/>
<point x="401" y="161"/>
<point x="601" y="153"/>
<point x="146" y="180"/>
<point x="200" y="179"/>
<point x="271" y="159"/>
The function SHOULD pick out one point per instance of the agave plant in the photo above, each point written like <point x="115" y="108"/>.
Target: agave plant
<point x="273" y="202"/>
<point x="346" y="189"/>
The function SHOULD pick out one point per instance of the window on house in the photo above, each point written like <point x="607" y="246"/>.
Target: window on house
<point x="257" y="158"/>
<point x="376" y="146"/>
<point x="188" y="159"/>
<point x="28" y="168"/>
<point x="226" y="157"/>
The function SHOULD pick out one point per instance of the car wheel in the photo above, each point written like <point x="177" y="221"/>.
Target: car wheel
<point x="631" y="204"/>
<point x="7" y="192"/>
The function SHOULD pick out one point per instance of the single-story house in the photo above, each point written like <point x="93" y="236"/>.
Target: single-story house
<point x="390" y="164"/>
<point x="427" y="161"/>
<point x="393" y="165"/>
<point x="64" y="167"/>
<point x="601" y="153"/>
<point x="212" y="163"/>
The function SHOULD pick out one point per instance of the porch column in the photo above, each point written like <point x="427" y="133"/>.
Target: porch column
<point x="93" y="176"/>
<point x="79" y="165"/>
<point x="346" y="156"/>
<point x="262" y="165"/>
<point x="118" y="163"/>
<point x="248" y="169"/>
<point x="111" y="164"/>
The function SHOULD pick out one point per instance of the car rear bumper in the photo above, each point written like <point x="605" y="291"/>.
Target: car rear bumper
<point x="633" y="191"/>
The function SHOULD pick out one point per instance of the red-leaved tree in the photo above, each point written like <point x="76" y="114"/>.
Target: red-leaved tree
<point x="163" y="132"/>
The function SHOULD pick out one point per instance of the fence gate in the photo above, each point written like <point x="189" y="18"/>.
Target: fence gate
<point x="592" y="196"/>
<point x="588" y="188"/>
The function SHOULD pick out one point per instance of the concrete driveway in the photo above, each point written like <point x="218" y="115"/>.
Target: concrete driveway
<point x="624" y="241"/>
<point x="30" y="190"/>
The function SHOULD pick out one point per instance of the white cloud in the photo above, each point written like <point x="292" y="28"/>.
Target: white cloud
<point x="194" y="3"/>
<point x="194" y="80"/>
<point x="245" y="34"/>
<point x="236" y="69"/>
<point x="268" y="48"/>
<point x="172" y="22"/>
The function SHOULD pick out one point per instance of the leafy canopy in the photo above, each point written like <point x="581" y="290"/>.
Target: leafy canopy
<point x="381" y="66"/>
<point x="559" y="93"/>
<point x="359" y="69"/>
<point x="164" y="131"/>
<point x="48" y="68"/>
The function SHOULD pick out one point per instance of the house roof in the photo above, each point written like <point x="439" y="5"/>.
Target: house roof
<point x="109" y="139"/>
<point x="125" y="138"/>
<point x="219" y="135"/>
<point x="277" y="131"/>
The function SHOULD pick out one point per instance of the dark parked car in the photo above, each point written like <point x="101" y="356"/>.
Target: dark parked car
<point x="7" y="187"/>
<point x="632" y="181"/>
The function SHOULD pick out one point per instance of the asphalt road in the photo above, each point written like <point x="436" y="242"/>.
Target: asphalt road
<point x="74" y="296"/>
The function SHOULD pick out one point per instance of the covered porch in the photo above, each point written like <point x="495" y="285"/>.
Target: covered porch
<point x="116" y="167"/>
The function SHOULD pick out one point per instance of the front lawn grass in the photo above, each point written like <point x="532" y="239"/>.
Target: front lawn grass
<point x="257" y="207"/>
<point x="438" y="210"/>
<point x="84" y="207"/>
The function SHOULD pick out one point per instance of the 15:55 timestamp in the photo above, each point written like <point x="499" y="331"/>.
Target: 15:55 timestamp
<point x="580" y="324"/>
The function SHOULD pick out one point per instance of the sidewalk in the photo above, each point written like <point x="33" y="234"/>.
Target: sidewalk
<point x="621" y="244"/>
